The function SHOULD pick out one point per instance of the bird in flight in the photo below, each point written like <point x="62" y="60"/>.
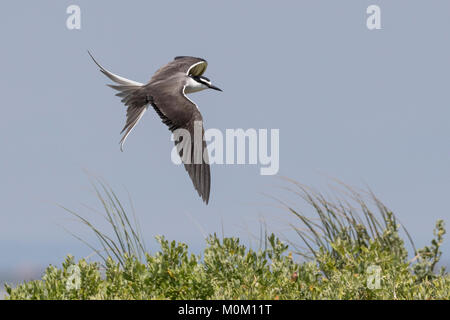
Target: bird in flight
<point x="166" y="93"/>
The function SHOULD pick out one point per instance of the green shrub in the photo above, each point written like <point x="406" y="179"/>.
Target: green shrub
<point x="229" y="270"/>
<point x="351" y="254"/>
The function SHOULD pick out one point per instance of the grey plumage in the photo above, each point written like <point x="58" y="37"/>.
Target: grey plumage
<point x="165" y="92"/>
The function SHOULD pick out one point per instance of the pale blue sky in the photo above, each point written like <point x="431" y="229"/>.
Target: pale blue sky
<point x="367" y="107"/>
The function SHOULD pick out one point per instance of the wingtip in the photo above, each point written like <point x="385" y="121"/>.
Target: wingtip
<point x="205" y="197"/>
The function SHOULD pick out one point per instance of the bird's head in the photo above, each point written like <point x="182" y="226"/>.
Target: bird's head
<point x="203" y="83"/>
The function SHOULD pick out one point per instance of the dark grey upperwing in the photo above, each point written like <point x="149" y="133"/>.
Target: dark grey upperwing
<point x="179" y="112"/>
<point x="187" y="65"/>
<point x="134" y="96"/>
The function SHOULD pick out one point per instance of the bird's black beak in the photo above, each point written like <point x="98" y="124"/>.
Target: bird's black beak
<point x="214" y="87"/>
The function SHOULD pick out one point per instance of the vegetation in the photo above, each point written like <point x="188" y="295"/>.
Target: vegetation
<point x="351" y="252"/>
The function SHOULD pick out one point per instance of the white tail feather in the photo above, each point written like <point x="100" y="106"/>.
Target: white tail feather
<point x="122" y="141"/>
<point x="115" y="77"/>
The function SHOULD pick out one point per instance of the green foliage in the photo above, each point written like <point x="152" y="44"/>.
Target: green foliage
<point x="352" y="252"/>
<point x="428" y="257"/>
<point x="229" y="270"/>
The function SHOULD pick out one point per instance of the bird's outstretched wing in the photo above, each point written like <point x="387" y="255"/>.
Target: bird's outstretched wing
<point x="187" y="65"/>
<point x="177" y="111"/>
<point x="133" y="95"/>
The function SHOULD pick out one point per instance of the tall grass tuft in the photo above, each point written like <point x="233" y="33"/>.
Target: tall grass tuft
<point x="125" y="238"/>
<point x="344" y="228"/>
<point x="352" y="215"/>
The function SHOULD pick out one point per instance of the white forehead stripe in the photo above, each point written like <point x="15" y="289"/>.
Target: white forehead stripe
<point x="207" y="81"/>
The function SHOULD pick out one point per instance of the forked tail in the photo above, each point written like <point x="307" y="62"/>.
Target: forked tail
<point x="133" y="96"/>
